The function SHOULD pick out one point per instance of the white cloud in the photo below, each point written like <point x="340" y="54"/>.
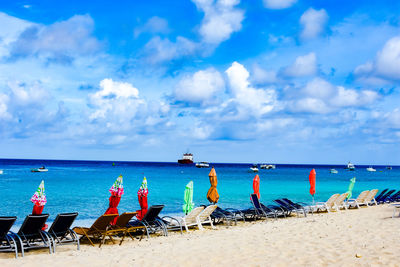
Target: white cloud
<point x="261" y="76"/>
<point x="60" y="42"/>
<point x="161" y="50"/>
<point x="249" y="100"/>
<point x="385" y="67"/>
<point x="313" y="23"/>
<point x="279" y="4"/>
<point x="153" y="25"/>
<point x="4" y="114"/>
<point x="303" y="66"/>
<point x="221" y="19"/>
<point x="199" y="87"/>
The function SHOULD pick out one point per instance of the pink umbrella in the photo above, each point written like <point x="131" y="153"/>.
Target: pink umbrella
<point x="142" y="197"/>
<point x="116" y="190"/>
<point x="39" y="200"/>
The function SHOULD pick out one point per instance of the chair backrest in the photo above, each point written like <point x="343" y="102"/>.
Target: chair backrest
<point x="62" y="223"/>
<point x="207" y="212"/>
<point x="385" y="196"/>
<point x="256" y="203"/>
<point x="341" y="198"/>
<point x="283" y="204"/>
<point x="32" y="225"/>
<point x="381" y="194"/>
<point x="293" y="204"/>
<point x="361" y="197"/>
<point x="331" y="201"/>
<point x="371" y="195"/>
<point x="191" y="217"/>
<point x="102" y="223"/>
<point x="152" y="213"/>
<point x="5" y="225"/>
<point x="124" y="218"/>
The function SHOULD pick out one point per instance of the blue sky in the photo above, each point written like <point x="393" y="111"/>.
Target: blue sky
<point x="281" y="81"/>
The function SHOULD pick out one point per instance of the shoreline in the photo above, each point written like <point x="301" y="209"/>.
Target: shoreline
<point x="365" y="236"/>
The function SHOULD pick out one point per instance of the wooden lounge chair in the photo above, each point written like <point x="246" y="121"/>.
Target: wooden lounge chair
<point x="355" y="203"/>
<point x="205" y="217"/>
<point x="7" y="239"/>
<point x="97" y="230"/>
<point x="31" y="235"/>
<point x="370" y="198"/>
<point x="325" y="206"/>
<point x="60" y="231"/>
<point x="186" y="221"/>
<point x="122" y="227"/>
<point x="340" y="202"/>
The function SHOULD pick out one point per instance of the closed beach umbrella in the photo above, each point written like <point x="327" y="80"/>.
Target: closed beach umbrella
<point x="256" y="185"/>
<point x="351" y="186"/>
<point x="39" y="200"/>
<point x="116" y="190"/>
<point x="212" y="194"/>
<point x="142" y="197"/>
<point x="188" y="198"/>
<point x="311" y="177"/>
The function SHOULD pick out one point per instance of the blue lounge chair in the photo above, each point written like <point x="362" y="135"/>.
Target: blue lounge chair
<point x="262" y="210"/>
<point x="151" y="221"/>
<point x="381" y="194"/>
<point x="385" y="198"/>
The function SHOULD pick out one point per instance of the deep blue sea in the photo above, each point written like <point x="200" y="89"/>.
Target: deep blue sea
<point x="82" y="186"/>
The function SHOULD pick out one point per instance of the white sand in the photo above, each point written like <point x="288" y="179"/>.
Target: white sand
<point x="320" y="240"/>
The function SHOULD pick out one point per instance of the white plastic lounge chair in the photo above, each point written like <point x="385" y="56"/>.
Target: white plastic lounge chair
<point x="395" y="208"/>
<point x="340" y="202"/>
<point x="204" y="217"/>
<point x="328" y="205"/>
<point x="186" y="221"/>
<point x="352" y="203"/>
<point x="370" y="199"/>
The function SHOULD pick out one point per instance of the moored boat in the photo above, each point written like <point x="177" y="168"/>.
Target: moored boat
<point x="334" y="171"/>
<point x="267" y="166"/>
<point x="350" y="166"/>
<point x="253" y="168"/>
<point x="202" y="164"/>
<point x="186" y="159"/>
<point x="370" y="169"/>
<point x="41" y="169"/>
<point x="1" y="171"/>
<point x="389" y="168"/>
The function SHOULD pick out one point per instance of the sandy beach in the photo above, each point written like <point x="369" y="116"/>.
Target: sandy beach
<point x="363" y="237"/>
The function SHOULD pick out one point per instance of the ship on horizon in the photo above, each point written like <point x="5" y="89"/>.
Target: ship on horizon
<point x="186" y="159"/>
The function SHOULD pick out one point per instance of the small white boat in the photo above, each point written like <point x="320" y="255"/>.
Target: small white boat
<point x="389" y="168"/>
<point x="370" y="169"/>
<point x="1" y="171"/>
<point x="41" y="169"/>
<point x="267" y="166"/>
<point x="334" y="171"/>
<point x="350" y="166"/>
<point x="202" y="164"/>
<point x="254" y="168"/>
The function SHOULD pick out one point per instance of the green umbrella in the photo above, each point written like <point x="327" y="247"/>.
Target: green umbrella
<point x="351" y="186"/>
<point x="188" y="198"/>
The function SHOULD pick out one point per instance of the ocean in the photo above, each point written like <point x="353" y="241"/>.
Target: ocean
<point x="82" y="186"/>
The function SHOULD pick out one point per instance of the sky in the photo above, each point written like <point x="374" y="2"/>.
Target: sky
<point x="260" y="81"/>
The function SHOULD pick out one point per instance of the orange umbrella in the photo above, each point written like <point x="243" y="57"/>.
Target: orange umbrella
<point x="212" y="194"/>
<point x="256" y="185"/>
<point x="311" y="177"/>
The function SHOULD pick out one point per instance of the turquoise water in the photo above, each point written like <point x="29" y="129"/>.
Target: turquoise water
<point x="82" y="186"/>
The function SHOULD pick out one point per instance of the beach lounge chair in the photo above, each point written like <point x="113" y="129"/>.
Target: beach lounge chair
<point x="186" y="221"/>
<point x="370" y="198"/>
<point x="325" y="206"/>
<point x="229" y="215"/>
<point x="340" y="202"/>
<point x="205" y="217"/>
<point x="31" y="235"/>
<point x="289" y="208"/>
<point x="122" y="228"/>
<point x="383" y="192"/>
<point x="60" y="231"/>
<point x="393" y="198"/>
<point x="385" y="197"/>
<point x="97" y="230"/>
<point x="7" y="239"/>
<point x="261" y="210"/>
<point x="299" y="205"/>
<point x="353" y="203"/>
<point x="151" y="221"/>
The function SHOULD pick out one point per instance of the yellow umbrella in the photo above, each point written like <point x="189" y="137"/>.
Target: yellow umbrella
<point x="212" y="194"/>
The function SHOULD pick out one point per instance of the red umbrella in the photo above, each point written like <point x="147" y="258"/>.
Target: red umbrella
<point x="116" y="190"/>
<point x="311" y="177"/>
<point x="39" y="200"/>
<point x="142" y="197"/>
<point x="256" y="185"/>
